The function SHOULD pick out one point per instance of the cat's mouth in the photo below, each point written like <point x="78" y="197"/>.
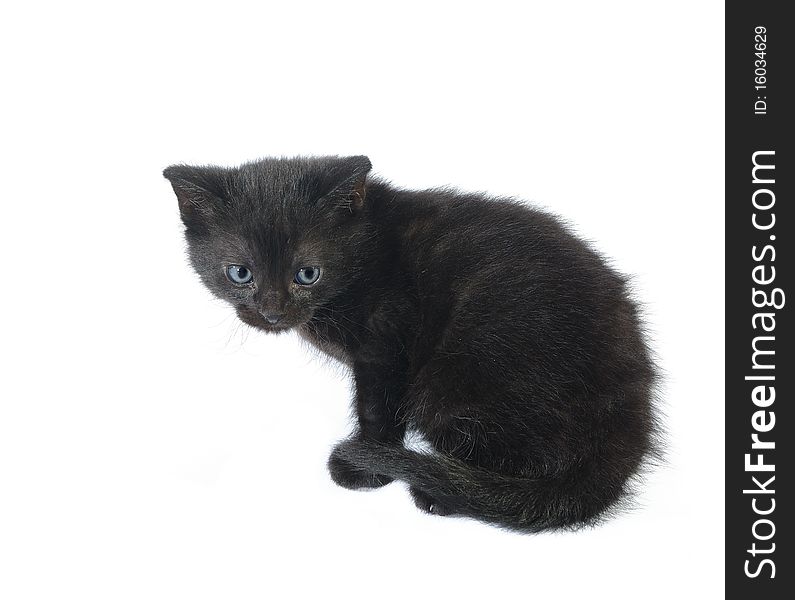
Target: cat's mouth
<point x="269" y="324"/>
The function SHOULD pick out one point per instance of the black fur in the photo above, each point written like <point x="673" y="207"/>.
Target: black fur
<point x="481" y="323"/>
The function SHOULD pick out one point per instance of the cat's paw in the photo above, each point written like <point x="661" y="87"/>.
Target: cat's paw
<point x="348" y="476"/>
<point x="427" y="504"/>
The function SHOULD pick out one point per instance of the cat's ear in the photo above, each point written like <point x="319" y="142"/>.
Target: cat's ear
<point x="351" y="189"/>
<point x="195" y="190"/>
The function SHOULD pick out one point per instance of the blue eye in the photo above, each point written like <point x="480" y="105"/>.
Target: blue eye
<point x="239" y="274"/>
<point x="307" y="275"/>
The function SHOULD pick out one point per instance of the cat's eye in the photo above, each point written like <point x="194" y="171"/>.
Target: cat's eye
<point x="307" y="275"/>
<point x="239" y="274"/>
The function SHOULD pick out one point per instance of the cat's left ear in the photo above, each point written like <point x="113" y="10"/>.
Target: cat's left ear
<point x="195" y="187"/>
<point x="350" y="193"/>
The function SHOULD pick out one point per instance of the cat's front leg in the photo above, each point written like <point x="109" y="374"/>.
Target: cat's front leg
<point x="379" y="392"/>
<point x="380" y="389"/>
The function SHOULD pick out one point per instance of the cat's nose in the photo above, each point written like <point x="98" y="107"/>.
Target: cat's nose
<point x="272" y="318"/>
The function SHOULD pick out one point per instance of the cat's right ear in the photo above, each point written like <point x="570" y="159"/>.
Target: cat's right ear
<point x="197" y="200"/>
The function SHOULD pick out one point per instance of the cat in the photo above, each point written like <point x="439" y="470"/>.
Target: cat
<point x="480" y="323"/>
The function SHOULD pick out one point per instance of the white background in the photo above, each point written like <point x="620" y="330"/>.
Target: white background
<point x="151" y="448"/>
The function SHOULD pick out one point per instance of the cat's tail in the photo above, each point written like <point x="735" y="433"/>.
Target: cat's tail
<point x="566" y="500"/>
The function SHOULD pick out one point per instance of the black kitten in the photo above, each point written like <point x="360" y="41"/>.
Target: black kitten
<point x="480" y="323"/>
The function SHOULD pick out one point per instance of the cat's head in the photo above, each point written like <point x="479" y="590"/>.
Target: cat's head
<point x="276" y="238"/>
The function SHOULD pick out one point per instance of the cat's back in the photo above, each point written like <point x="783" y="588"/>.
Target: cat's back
<point x="498" y="270"/>
<point x="501" y="245"/>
